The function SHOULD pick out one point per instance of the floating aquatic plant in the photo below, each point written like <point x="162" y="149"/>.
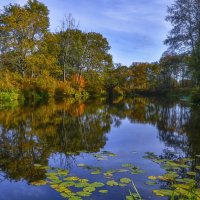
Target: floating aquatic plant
<point x="133" y="168"/>
<point x="178" y="178"/>
<point x="104" y="155"/>
<point x="103" y="191"/>
<point x="125" y="180"/>
<point x="151" y="183"/>
<point x="112" y="183"/>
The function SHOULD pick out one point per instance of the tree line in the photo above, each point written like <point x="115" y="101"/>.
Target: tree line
<point x="36" y="63"/>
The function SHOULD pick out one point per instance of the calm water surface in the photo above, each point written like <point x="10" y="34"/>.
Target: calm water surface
<point x="63" y="135"/>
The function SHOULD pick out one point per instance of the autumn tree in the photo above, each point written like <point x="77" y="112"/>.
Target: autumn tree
<point x="22" y="32"/>
<point x="83" y="54"/>
<point x="143" y="76"/>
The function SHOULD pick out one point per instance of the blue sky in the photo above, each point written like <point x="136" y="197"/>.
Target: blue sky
<point x="135" y="29"/>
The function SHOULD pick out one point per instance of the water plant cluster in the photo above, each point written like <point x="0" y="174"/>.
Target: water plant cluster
<point x="75" y="188"/>
<point x="181" y="180"/>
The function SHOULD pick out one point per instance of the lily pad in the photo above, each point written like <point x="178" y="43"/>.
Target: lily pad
<point x="152" y="177"/>
<point x="163" y="193"/>
<point x="125" y="180"/>
<point x="67" y="184"/>
<point x="112" y="183"/>
<point x="84" y="194"/>
<point x="122" y="170"/>
<point x="71" y="178"/>
<point x="39" y="183"/>
<point x="97" y="184"/>
<point x="75" y="198"/>
<point x="151" y="183"/>
<point x="89" y="189"/>
<point x="81" y="184"/>
<point x="96" y="172"/>
<point x="103" y="191"/>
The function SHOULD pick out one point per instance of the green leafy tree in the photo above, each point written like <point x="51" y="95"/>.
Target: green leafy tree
<point x="23" y="30"/>
<point x="184" y="37"/>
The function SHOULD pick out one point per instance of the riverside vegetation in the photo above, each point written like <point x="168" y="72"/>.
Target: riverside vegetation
<point x="46" y="78"/>
<point x="38" y="65"/>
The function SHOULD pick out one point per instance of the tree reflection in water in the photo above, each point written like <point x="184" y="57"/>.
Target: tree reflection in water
<point x="32" y="135"/>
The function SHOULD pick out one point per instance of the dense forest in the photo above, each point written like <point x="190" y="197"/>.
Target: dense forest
<point x="38" y="65"/>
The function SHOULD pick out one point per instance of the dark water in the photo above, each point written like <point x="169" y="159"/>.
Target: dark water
<point x="59" y="135"/>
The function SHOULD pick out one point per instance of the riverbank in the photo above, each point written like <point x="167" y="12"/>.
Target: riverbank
<point x="185" y="94"/>
<point x="43" y="89"/>
<point x="16" y="90"/>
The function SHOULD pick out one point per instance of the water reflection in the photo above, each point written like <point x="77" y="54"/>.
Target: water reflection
<point x="32" y="135"/>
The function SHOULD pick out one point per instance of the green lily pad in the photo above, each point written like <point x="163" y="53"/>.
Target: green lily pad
<point x="163" y="193"/>
<point x="89" y="189"/>
<point x="71" y="178"/>
<point x="96" y="172"/>
<point x="67" y="184"/>
<point x="75" y="198"/>
<point x="108" y="175"/>
<point x="81" y="184"/>
<point x="122" y="170"/>
<point x="63" y="172"/>
<point x="186" y="180"/>
<point x="151" y="183"/>
<point x="84" y="194"/>
<point x="133" y="196"/>
<point x="65" y="195"/>
<point x="125" y="180"/>
<point x="152" y="177"/>
<point x="97" y="184"/>
<point x="83" y="180"/>
<point x="170" y="176"/>
<point x="137" y="171"/>
<point x="55" y="181"/>
<point x="103" y="191"/>
<point x="54" y="186"/>
<point x="112" y="183"/>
